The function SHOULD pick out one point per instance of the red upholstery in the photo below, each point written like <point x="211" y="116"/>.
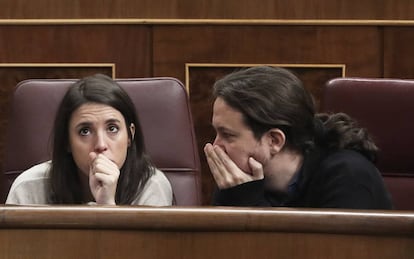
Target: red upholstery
<point x="386" y="108"/>
<point x="163" y="109"/>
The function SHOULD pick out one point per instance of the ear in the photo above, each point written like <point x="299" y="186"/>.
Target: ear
<point x="132" y="129"/>
<point x="276" y="140"/>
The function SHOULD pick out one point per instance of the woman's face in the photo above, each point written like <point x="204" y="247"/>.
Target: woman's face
<point x="101" y="129"/>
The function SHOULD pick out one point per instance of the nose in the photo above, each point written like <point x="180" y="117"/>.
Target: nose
<point x="218" y="142"/>
<point x="100" y="142"/>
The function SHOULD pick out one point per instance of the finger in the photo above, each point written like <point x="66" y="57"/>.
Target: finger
<point x="207" y="149"/>
<point x="105" y="179"/>
<point x="212" y="160"/>
<point x="214" y="170"/>
<point x="228" y="165"/>
<point x="257" y="168"/>
<point x="100" y="163"/>
<point x="209" y="152"/>
<point x="92" y="155"/>
<point x="105" y="166"/>
<point x="231" y="174"/>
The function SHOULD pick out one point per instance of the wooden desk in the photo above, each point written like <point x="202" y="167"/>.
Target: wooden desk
<point x="204" y="232"/>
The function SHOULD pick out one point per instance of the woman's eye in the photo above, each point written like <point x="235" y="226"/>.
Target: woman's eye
<point x="113" y="129"/>
<point x="84" y="132"/>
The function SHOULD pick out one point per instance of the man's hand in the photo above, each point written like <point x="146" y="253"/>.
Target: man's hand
<point x="225" y="172"/>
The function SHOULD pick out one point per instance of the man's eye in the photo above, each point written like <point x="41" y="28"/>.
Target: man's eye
<point x="226" y="135"/>
<point x="113" y="129"/>
<point x="84" y="131"/>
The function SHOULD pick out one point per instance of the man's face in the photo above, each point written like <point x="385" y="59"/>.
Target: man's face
<point x="234" y="136"/>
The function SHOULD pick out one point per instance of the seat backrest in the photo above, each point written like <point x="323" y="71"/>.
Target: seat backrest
<point x="163" y="110"/>
<point x="385" y="107"/>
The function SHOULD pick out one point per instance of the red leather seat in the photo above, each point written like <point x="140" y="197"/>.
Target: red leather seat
<point x="163" y="109"/>
<point x="386" y="108"/>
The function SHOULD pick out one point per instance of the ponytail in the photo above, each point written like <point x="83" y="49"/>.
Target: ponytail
<point x="340" y="131"/>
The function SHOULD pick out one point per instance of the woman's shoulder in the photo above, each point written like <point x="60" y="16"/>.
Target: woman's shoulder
<point x="36" y="172"/>
<point x="30" y="186"/>
<point x="157" y="191"/>
<point x="159" y="177"/>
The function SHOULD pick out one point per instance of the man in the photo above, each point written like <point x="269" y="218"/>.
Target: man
<point x="271" y="149"/>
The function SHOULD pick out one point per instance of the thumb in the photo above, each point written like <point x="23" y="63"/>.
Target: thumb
<point x="92" y="156"/>
<point x="257" y="168"/>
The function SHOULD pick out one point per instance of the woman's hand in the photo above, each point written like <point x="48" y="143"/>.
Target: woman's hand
<point x="103" y="178"/>
<point x="225" y="172"/>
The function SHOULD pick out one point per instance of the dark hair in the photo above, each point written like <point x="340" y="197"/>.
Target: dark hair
<point x="137" y="168"/>
<point x="272" y="97"/>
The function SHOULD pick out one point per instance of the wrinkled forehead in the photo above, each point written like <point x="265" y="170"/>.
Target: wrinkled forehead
<point x="95" y="112"/>
<point x="226" y="116"/>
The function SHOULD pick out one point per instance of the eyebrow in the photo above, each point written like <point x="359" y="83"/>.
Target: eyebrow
<point x="222" y="129"/>
<point x="88" y="123"/>
<point x="112" y="121"/>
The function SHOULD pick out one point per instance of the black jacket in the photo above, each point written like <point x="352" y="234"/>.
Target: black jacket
<point x="340" y="179"/>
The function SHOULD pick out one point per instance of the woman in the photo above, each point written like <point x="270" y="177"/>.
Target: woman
<point x="271" y="149"/>
<point x="98" y="154"/>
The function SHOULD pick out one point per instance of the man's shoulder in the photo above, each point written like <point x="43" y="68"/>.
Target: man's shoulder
<point x="348" y="163"/>
<point x="346" y="157"/>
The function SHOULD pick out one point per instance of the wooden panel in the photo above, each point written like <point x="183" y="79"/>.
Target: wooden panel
<point x="210" y="9"/>
<point x="359" y="48"/>
<point x="131" y="232"/>
<point x="399" y="52"/>
<point x="128" y="47"/>
<point x="64" y="243"/>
